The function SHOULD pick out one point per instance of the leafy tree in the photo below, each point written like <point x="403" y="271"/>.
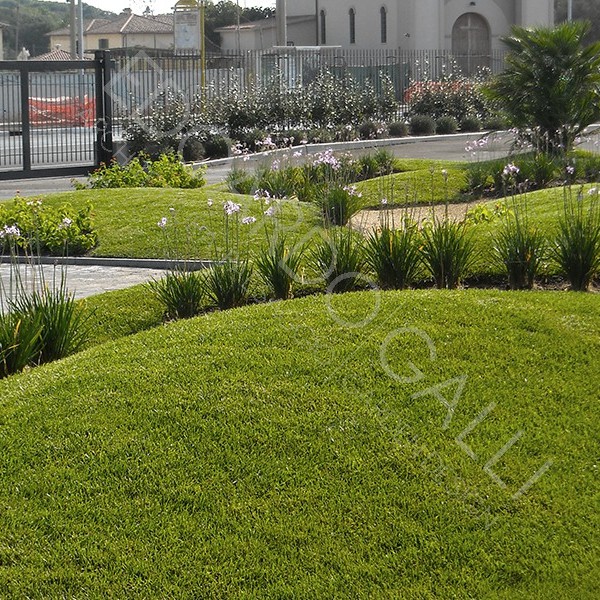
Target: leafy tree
<point x="551" y="84"/>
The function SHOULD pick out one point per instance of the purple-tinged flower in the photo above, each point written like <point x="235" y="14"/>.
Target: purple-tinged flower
<point x="231" y="208"/>
<point x="248" y="220"/>
<point x="384" y="201"/>
<point x="66" y="223"/>
<point x="162" y="223"/>
<point x="570" y="170"/>
<point x="270" y="212"/>
<point x="510" y="170"/>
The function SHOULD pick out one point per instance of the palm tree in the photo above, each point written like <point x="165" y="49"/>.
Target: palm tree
<point x="551" y="85"/>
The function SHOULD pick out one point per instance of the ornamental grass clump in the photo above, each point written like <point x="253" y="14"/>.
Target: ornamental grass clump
<point x="278" y="265"/>
<point x="519" y="247"/>
<point x="339" y="204"/>
<point x="40" y="321"/>
<point x="393" y="254"/>
<point x="181" y="290"/>
<point x="448" y="250"/>
<point x="576" y="248"/>
<point x="339" y="258"/>
<point x="227" y="282"/>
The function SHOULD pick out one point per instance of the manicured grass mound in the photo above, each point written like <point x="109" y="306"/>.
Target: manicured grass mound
<point x="126" y="220"/>
<point x="265" y="452"/>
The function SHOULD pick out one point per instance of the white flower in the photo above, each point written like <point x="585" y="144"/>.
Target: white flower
<point x="231" y="208"/>
<point x="510" y="170"/>
<point x="384" y="201"/>
<point x="210" y="202"/>
<point x="297" y="154"/>
<point x="592" y="191"/>
<point x="248" y="220"/>
<point x="270" y="211"/>
<point x="162" y="223"/>
<point x="570" y="170"/>
<point x="66" y="222"/>
<point x="172" y="210"/>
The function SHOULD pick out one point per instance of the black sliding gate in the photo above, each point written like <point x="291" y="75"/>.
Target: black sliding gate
<point x="55" y="117"/>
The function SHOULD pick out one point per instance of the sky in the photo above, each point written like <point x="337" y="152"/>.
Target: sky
<point x="158" y="6"/>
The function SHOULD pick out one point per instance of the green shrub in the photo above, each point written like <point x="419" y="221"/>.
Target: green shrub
<point x="519" y="248"/>
<point x="339" y="258"/>
<point x="193" y="149"/>
<point x="422" y="125"/>
<point x="240" y="181"/>
<point x="577" y="244"/>
<point x="338" y="204"/>
<point x="227" y="283"/>
<point x="446" y="125"/>
<point x="278" y="266"/>
<point x="398" y="129"/>
<point x="44" y="229"/>
<point x="19" y="342"/>
<point x="216" y="146"/>
<point x="539" y="169"/>
<point x="166" y="171"/>
<point x="470" y="123"/>
<point x="62" y="321"/>
<point x="448" y="251"/>
<point x="452" y="95"/>
<point x="393" y="254"/>
<point x="368" y="130"/>
<point x="495" y="123"/>
<point x="180" y="292"/>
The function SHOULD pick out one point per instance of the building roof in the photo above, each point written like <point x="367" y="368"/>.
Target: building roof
<point x="125" y="23"/>
<point x="265" y="24"/>
<point x="57" y="54"/>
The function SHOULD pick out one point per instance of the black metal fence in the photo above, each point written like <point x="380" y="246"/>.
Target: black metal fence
<point x="139" y="75"/>
<point x="54" y="117"/>
<point x="58" y="117"/>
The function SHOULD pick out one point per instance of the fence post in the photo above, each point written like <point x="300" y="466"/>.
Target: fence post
<point x="25" y="118"/>
<point x="104" y="134"/>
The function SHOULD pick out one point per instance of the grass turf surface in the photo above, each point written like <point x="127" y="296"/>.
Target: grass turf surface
<point x="265" y="452"/>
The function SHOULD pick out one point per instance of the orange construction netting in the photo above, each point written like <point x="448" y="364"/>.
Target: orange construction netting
<point x="64" y="111"/>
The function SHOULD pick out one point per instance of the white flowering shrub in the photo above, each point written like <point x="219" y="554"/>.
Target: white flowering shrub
<point x="33" y="226"/>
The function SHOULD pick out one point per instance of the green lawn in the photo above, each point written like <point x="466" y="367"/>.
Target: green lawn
<point x="126" y="220"/>
<point x="265" y="452"/>
<point x="419" y="182"/>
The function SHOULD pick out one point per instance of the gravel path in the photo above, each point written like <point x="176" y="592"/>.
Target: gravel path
<point x="369" y="219"/>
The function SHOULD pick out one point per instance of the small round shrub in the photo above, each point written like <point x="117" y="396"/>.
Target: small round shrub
<point x="192" y="150"/>
<point x="368" y="130"/>
<point x="398" y="129"/>
<point x="446" y="125"/>
<point x="217" y="146"/>
<point x="470" y="123"/>
<point x="495" y="123"/>
<point x="422" y="125"/>
<point x="320" y="136"/>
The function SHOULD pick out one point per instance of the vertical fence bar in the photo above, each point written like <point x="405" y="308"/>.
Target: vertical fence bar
<point x="25" y="120"/>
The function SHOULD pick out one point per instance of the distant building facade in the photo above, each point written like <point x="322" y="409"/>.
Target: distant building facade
<point x="457" y="25"/>
<point x="125" y="31"/>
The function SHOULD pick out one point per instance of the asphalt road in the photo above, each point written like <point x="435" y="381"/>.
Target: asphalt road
<point x="435" y="147"/>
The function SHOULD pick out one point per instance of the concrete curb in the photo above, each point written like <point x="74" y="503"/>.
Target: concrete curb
<point x="308" y="149"/>
<point x="93" y="261"/>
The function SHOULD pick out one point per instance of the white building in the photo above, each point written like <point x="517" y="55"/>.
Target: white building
<point x="461" y="26"/>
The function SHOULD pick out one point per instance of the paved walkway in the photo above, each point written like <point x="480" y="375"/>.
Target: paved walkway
<point x="83" y="281"/>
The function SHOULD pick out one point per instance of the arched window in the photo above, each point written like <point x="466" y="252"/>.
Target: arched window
<point x="323" y="27"/>
<point x="352" y="17"/>
<point x="383" y="20"/>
